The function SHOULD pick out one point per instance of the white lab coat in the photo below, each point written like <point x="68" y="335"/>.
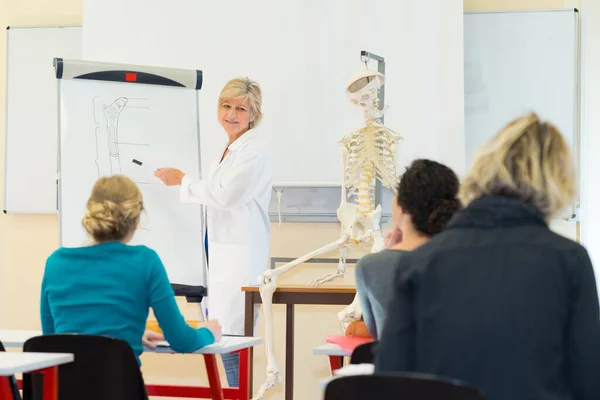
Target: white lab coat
<point x="236" y="193"/>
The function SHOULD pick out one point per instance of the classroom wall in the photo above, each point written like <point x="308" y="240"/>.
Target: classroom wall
<point x="26" y="241"/>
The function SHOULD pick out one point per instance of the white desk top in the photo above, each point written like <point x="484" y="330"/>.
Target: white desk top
<point x="14" y="363"/>
<point x="10" y="338"/>
<point x="227" y="344"/>
<point x="327" y="349"/>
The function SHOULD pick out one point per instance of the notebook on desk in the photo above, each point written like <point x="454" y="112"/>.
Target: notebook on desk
<point x="348" y="343"/>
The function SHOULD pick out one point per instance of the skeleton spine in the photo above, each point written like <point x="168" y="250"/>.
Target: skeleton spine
<point x="366" y="185"/>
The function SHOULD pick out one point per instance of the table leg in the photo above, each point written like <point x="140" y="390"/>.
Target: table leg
<point x="244" y="382"/>
<point x="335" y="363"/>
<point x="289" y="352"/>
<point x="5" y="390"/>
<point x="216" y="392"/>
<point x="249" y="331"/>
<point x="50" y="383"/>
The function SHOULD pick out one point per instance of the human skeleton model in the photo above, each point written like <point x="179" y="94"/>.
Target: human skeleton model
<point x="366" y="155"/>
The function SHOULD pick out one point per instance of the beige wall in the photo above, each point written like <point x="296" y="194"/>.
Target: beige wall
<point x="26" y="241"/>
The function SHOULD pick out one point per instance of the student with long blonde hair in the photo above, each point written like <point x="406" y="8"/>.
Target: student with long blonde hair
<point x="498" y="300"/>
<point x="108" y="287"/>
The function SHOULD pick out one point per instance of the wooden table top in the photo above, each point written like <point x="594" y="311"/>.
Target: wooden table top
<point x="342" y="289"/>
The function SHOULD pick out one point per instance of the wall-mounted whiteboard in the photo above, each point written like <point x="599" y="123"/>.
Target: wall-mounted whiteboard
<point x="31" y="115"/>
<point x="106" y="123"/>
<point x="517" y="62"/>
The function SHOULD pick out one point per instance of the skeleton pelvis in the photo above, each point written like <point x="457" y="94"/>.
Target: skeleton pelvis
<point x="359" y="226"/>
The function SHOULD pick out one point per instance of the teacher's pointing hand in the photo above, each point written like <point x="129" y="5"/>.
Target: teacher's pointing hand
<point x="169" y="176"/>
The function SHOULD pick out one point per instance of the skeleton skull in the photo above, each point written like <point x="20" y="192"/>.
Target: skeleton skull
<point x="363" y="86"/>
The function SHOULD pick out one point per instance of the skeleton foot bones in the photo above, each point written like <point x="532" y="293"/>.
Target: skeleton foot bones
<point x="367" y="155"/>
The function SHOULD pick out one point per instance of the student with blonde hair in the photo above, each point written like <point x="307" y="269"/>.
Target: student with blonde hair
<point x="108" y="287"/>
<point x="498" y="300"/>
<point x="236" y="191"/>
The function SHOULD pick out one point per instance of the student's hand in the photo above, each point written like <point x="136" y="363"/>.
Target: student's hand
<point x="150" y="338"/>
<point x="393" y="238"/>
<point x="214" y="326"/>
<point x="169" y="176"/>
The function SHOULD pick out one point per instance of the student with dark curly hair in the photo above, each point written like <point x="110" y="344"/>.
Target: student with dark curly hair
<point x="426" y="199"/>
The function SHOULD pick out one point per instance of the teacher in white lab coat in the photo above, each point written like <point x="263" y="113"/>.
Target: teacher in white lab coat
<point x="236" y="192"/>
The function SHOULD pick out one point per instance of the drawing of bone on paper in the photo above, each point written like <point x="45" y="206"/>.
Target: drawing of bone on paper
<point x="118" y="129"/>
<point x="118" y="134"/>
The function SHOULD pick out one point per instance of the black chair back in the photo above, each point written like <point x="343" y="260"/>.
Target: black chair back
<point x="363" y="354"/>
<point x="12" y="381"/>
<point x="103" y="368"/>
<point x="399" y="386"/>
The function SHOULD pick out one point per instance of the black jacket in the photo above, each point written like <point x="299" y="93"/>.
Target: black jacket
<point x="501" y="302"/>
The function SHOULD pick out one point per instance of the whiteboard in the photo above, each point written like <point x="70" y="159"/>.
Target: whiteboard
<point x="31" y="115"/>
<point x="517" y="62"/>
<point x="154" y="124"/>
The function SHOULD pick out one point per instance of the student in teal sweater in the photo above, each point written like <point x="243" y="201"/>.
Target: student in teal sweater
<point x="107" y="288"/>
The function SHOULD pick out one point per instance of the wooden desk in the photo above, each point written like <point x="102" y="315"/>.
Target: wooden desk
<point x="43" y="363"/>
<point x="290" y="295"/>
<point x="227" y="344"/>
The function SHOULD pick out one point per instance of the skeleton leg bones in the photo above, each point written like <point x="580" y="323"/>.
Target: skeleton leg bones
<point x="273" y="377"/>
<point x="268" y="284"/>
<point x="347" y="214"/>
<point x="354" y="312"/>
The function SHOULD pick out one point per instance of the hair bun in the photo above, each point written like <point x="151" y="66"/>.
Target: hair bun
<point x="102" y="217"/>
<point x="113" y="209"/>
<point x="439" y="217"/>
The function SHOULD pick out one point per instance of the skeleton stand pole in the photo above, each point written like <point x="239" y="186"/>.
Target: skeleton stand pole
<point x="366" y="57"/>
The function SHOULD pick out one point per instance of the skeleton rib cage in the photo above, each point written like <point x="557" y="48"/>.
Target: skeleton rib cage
<point x="371" y="157"/>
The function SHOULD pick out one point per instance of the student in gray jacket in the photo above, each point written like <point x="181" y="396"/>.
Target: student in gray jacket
<point x="426" y="199"/>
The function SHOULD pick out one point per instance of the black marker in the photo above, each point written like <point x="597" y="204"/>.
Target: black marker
<point x="138" y="162"/>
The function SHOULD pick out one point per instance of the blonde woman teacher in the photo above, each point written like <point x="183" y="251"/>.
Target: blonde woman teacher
<point x="236" y="192"/>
